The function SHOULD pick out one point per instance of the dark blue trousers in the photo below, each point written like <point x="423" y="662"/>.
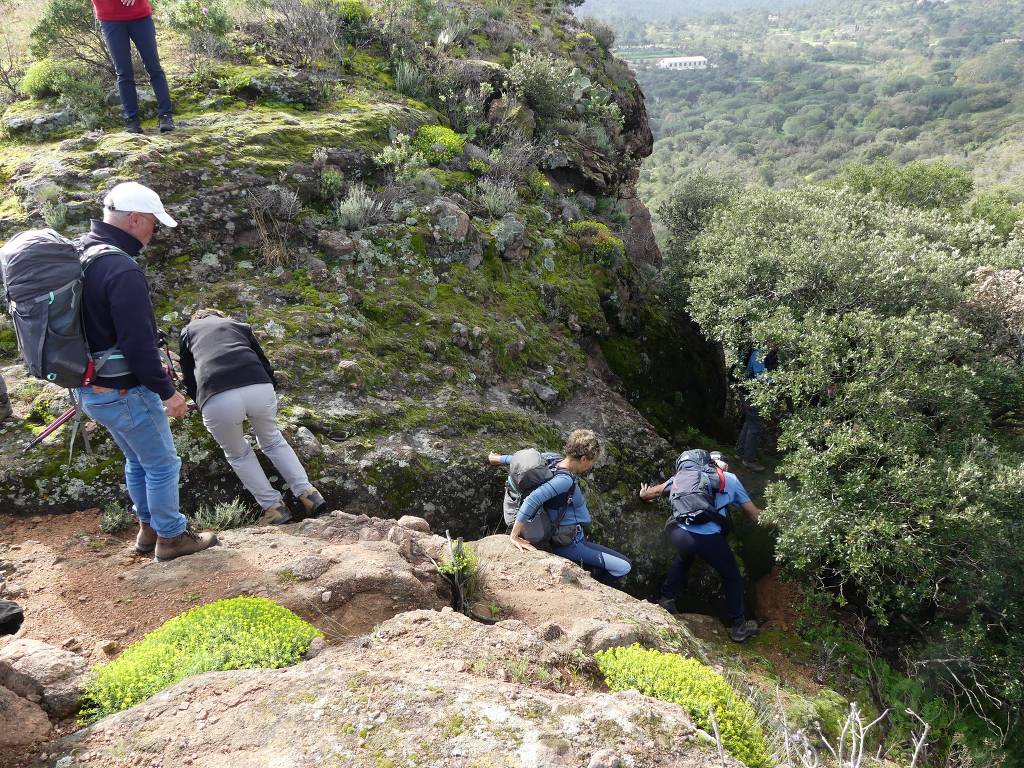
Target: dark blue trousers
<point x="119" y="36"/>
<point x="714" y="550"/>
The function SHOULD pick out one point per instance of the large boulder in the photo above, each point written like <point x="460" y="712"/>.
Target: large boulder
<point x="24" y="722"/>
<point x="43" y="674"/>
<point x="429" y="688"/>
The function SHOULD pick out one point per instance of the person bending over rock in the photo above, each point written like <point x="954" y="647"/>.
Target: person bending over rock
<point x="707" y="539"/>
<point x="124" y="22"/>
<point x="134" y="395"/>
<point x="229" y="377"/>
<point x="562" y="500"/>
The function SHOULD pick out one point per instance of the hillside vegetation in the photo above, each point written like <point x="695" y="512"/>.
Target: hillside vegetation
<point x="798" y="92"/>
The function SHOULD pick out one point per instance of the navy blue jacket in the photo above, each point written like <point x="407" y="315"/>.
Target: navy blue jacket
<point x="118" y="312"/>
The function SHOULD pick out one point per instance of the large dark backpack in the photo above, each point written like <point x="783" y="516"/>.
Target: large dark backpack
<point x="527" y="472"/>
<point x="43" y="275"/>
<point x="694" y="485"/>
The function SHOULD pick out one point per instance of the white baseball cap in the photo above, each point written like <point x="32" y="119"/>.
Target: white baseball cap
<point x="132" y="197"/>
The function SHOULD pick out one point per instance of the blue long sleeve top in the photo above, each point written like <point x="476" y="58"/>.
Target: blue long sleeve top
<point x="575" y="514"/>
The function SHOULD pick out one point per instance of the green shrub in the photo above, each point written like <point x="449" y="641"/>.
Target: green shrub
<point x="357" y="209"/>
<point x="916" y="185"/>
<point x="438" y="144"/>
<point x="695" y="687"/>
<point x="546" y="84"/>
<point x="539" y="185"/>
<point x="240" y="633"/>
<point x="352" y="12"/>
<point x="114" y="518"/>
<point x="331" y="182"/>
<point x="497" y="199"/>
<point x="68" y="32"/>
<point x="409" y="78"/>
<point x="39" y="79"/>
<point x="597" y="240"/>
<point x="197" y="17"/>
<point x="225" y="515"/>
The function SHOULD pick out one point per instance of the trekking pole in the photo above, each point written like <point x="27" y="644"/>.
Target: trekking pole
<point x="52" y="427"/>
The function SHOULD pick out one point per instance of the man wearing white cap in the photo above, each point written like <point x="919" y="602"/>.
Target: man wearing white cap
<point x="134" y="404"/>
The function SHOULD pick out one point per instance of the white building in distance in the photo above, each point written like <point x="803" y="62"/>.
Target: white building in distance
<point x="684" y="62"/>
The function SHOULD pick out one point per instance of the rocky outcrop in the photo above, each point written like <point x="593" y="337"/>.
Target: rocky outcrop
<point x="24" y="722"/>
<point x="43" y="674"/>
<point x="428" y="688"/>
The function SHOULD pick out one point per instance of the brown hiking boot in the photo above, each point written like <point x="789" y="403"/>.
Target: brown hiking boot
<point x="188" y="542"/>
<point x="145" y="542"/>
<point x="313" y="502"/>
<point x="276" y="515"/>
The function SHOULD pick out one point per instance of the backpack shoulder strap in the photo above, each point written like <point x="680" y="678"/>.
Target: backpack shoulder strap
<point x="93" y="252"/>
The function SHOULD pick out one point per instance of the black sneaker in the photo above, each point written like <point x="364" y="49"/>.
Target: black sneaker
<point x="166" y="124"/>
<point x="133" y="127"/>
<point x="743" y="630"/>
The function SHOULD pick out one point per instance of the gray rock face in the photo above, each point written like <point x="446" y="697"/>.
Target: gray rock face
<point x="24" y="722"/>
<point x="44" y="674"/>
<point x="431" y="687"/>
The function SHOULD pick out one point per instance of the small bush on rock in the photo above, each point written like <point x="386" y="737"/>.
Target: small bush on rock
<point x="438" y="144"/>
<point x="114" y="518"/>
<point x="357" y="209"/>
<point x="695" y="687"/>
<point x="596" y="239"/>
<point x="240" y="633"/>
<point x="38" y="82"/>
<point x="546" y="84"/>
<point x="227" y="514"/>
<point x="497" y="199"/>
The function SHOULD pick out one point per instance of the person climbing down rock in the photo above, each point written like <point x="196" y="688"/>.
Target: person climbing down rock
<point x="5" y="400"/>
<point x="135" y="395"/>
<point x="561" y="500"/>
<point x="231" y="380"/>
<point x="700" y="492"/>
<point x="124" y="22"/>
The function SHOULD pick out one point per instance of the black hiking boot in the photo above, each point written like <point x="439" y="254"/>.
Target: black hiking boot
<point x="133" y="126"/>
<point x="188" y="542"/>
<point x="5" y="407"/>
<point x="166" y="123"/>
<point x="743" y="630"/>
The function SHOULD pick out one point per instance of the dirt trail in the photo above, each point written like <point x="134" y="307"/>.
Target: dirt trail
<point x="71" y="574"/>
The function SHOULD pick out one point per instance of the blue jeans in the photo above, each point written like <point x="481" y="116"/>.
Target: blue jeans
<point x="714" y="550"/>
<point x="607" y="565"/>
<point x="119" y="36"/>
<point x="138" y="423"/>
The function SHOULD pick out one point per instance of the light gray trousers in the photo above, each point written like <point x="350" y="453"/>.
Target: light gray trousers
<point x="224" y="414"/>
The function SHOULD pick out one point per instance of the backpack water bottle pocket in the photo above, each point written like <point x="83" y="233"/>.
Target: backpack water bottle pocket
<point x="66" y="358"/>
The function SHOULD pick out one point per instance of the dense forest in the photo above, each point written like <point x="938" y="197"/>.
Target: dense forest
<point x="797" y="92"/>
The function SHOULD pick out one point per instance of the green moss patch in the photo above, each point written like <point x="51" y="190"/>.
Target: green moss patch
<point x="240" y="633"/>
<point x="695" y="687"/>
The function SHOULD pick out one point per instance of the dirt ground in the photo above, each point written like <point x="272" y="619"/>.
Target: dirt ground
<point x="71" y="574"/>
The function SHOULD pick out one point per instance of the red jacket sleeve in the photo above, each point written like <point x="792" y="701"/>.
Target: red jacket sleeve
<point x="115" y="10"/>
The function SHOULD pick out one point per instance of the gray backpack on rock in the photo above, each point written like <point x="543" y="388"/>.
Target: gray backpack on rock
<point x="43" y="275"/>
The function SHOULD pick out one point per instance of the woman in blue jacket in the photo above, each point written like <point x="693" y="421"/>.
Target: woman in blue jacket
<point x="562" y="500"/>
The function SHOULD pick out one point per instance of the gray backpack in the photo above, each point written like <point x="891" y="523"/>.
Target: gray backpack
<point x="527" y="471"/>
<point x="43" y="275"/>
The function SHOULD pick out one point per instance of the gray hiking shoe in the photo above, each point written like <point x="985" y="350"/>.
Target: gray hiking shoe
<point x="145" y="542"/>
<point x="669" y="604"/>
<point x="276" y="515"/>
<point x="743" y="630"/>
<point x="188" y="542"/>
<point x="753" y="466"/>
<point x="5" y="407"/>
<point x="133" y="127"/>
<point x="166" y="124"/>
<point x="313" y="502"/>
